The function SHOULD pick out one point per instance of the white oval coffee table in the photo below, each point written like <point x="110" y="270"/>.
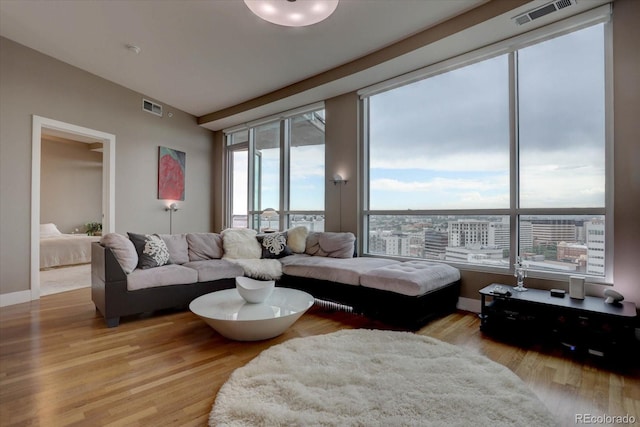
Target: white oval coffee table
<point x="232" y="317"/>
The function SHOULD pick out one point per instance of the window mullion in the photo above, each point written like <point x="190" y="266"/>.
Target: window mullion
<point x="514" y="188"/>
<point x="285" y="144"/>
<point x="251" y="177"/>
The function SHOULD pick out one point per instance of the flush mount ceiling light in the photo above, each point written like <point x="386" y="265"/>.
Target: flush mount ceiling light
<point x="292" y="13"/>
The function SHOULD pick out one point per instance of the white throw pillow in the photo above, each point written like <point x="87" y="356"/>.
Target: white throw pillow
<point x="241" y="243"/>
<point x="297" y="239"/>
<point x="49" y="230"/>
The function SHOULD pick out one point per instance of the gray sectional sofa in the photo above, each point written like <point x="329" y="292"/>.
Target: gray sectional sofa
<point x="322" y="263"/>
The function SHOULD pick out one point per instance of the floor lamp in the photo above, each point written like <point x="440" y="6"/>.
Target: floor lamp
<point x="171" y="208"/>
<point x="339" y="180"/>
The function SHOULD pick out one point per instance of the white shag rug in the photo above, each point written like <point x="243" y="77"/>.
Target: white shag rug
<point x="375" y="378"/>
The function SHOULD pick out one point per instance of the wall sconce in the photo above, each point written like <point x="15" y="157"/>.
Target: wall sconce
<point x="338" y="179"/>
<point x="269" y="213"/>
<point x="171" y="208"/>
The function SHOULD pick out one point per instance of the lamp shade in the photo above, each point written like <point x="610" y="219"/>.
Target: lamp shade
<point x="269" y="213"/>
<point x="292" y="13"/>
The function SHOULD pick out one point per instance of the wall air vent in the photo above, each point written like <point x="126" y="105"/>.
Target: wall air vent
<point x="152" y="107"/>
<point x="543" y="11"/>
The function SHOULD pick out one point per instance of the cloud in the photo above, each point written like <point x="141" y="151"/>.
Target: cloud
<point x="453" y="161"/>
<point x="465" y="112"/>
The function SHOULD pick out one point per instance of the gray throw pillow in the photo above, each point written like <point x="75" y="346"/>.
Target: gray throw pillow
<point x="177" y="246"/>
<point x="122" y="249"/>
<point x="204" y="246"/>
<point x="330" y="244"/>
<point x="152" y="251"/>
<point x="274" y="245"/>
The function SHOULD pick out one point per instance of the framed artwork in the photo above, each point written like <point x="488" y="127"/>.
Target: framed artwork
<point x="171" y="173"/>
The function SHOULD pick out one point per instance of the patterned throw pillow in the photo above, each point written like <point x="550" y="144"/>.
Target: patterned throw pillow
<point x="274" y="245"/>
<point x="152" y="250"/>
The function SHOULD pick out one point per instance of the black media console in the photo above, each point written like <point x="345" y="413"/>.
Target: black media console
<point x="588" y="326"/>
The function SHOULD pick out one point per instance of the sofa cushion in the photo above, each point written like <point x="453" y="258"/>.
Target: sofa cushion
<point x="204" y="246"/>
<point x="241" y="243"/>
<point x="177" y="246"/>
<point x="340" y="270"/>
<point x="412" y="278"/>
<point x="274" y="245"/>
<point x="297" y="239"/>
<point x="165" y="275"/>
<point x="151" y="249"/>
<point x="123" y="249"/>
<point x="215" y="269"/>
<point x="330" y="244"/>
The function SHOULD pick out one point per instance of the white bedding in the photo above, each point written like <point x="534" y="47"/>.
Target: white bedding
<point x="65" y="249"/>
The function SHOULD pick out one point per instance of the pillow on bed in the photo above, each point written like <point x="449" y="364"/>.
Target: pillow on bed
<point x="152" y="250"/>
<point x="241" y="243"/>
<point x="122" y="249"/>
<point x="49" y="230"/>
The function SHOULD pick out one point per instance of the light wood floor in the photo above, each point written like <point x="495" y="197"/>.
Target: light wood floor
<point x="60" y="365"/>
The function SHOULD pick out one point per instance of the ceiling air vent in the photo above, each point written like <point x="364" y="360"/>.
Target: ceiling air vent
<point x="543" y="11"/>
<point x="152" y="107"/>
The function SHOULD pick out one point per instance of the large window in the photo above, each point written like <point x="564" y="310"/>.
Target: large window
<point x="443" y="142"/>
<point x="493" y="159"/>
<point x="278" y="166"/>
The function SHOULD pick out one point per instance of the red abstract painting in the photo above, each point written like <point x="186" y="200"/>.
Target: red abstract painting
<point x="171" y="172"/>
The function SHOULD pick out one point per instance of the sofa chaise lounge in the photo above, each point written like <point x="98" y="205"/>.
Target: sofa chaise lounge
<point x="405" y="293"/>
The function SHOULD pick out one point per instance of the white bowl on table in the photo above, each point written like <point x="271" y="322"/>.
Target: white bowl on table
<point x="254" y="291"/>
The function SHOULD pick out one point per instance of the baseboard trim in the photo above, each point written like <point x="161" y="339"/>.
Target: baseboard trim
<point x="468" y="304"/>
<point x="13" y="298"/>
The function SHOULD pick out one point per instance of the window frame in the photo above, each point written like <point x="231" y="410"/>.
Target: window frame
<point x="284" y="211"/>
<point x="600" y="15"/>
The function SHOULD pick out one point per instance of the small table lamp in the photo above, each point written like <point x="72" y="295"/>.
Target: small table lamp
<point x="268" y="214"/>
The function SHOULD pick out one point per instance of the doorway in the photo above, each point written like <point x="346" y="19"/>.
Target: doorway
<point x="42" y="125"/>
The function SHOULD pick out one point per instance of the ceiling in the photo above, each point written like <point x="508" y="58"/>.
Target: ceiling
<point x="203" y="56"/>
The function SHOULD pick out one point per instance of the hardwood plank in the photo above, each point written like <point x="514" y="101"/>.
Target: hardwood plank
<point x="60" y="365"/>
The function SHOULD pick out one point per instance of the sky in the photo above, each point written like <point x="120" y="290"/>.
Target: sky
<point x="443" y="142"/>
<point x="306" y="183"/>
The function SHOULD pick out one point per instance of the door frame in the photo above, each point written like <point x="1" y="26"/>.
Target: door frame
<point x="108" y="184"/>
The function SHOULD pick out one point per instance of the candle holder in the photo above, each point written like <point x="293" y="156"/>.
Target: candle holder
<point x="520" y="273"/>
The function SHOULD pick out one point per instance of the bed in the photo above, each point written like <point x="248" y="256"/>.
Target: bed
<point x="57" y="249"/>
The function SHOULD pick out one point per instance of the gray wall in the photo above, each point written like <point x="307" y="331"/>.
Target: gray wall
<point x="70" y="185"/>
<point x="32" y="83"/>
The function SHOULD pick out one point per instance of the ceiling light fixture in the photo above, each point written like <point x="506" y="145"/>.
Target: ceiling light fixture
<point x="292" y="13"/>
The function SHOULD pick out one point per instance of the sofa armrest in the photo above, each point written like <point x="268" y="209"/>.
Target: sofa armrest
<point x="108" y="279"/>
<point x="105" y="265"/>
